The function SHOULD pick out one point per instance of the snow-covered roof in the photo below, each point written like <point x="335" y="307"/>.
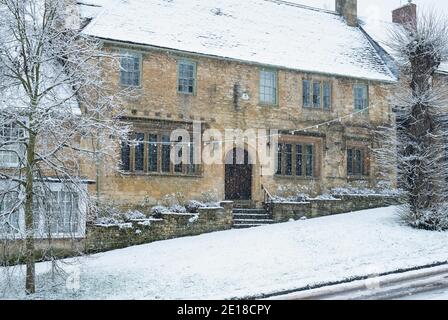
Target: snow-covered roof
<point x="379" y="31"/>
<point x="266" y="32"/>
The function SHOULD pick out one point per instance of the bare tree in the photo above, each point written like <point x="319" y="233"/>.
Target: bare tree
<point x="57" y="115"/>
<point x="421" y="111"/>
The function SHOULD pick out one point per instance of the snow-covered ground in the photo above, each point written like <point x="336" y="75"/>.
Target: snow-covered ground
<point x="241" y="263"/>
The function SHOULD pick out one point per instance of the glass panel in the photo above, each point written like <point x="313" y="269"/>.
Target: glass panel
<point x="187" y="75"/>
<point x="178" y="167"/>
<point x="153" y="153"/>
<point x="268" y="86"/>
<point x="306" y="93"/>
<point x="166" y="150"/>
<point x="327" y="95"/>
<point x="309" y="161"/>
<point x="361" y="97"/>
<point x="299" y="160"/>
<point x="130" y="69"/>
<point x="350" y="162"/>
<point x="316" y="94"/>
<point x="288" y="156"/>
<point x="279" y="158"/>
<point x="139" y="152"/>
<point x="125" y="156"/>
<point x="191" y="166"/>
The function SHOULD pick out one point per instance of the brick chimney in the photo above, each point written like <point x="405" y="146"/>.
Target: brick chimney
<point x="405" y="15"/>
<point x="349" y="10"/>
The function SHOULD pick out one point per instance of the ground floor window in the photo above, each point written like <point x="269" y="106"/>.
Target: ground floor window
<point x="296" y="159"/>
<point x="59" y="213"/>
<point x="152" y="149"/>
<point x="357" y="165"/>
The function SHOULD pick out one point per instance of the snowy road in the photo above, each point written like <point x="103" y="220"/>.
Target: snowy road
<point x="430" y="283"/>
<point x="243" y="263"/>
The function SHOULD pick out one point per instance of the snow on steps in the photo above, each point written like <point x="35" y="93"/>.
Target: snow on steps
<point x="249" y="218"/>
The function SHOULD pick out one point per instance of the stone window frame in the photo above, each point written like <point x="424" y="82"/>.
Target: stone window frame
<point x="364" y="148"/>
<point x="308" y="101"/>
<point x="261" y="97"/>
<point x="160" y="129"/>
<point x="359" y="106"/>
<point x="192" y="63"/>
<point x="304" y="141"/>
<point x="134" y="54"/>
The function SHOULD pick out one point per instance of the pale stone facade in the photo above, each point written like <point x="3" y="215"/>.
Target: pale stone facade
<point x="215" y="105"/>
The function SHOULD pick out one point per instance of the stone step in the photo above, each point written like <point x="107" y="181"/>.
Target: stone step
<point x="249" y="211"/>
<point x="244" y="216"/>
<point x="247" y="225"/>
<point x="253" y="221"/>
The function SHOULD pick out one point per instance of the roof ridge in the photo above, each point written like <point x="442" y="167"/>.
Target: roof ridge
<point x="303" y="6"/>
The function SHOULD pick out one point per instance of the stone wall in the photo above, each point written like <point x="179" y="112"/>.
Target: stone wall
<point x="104" y="238"/>
<point x="171" y="225"/>
<point x="282" y="212"/>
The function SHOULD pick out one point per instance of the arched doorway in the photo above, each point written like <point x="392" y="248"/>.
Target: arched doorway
<point x="238" y="176"/>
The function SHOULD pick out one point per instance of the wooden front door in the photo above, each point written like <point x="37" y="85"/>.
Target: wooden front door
<point x="238" y="177"/>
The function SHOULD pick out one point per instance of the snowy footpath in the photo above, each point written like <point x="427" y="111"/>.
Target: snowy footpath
<point x="243" y="263"/>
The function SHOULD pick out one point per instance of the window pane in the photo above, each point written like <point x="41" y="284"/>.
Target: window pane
<point x="350" y="162"/>
<point x="299" y="160"/>
<point x="153" y="153"/>
<point x="268" y="87"/>
<point x="130" y="69"/>
<point x="288" y="156"/>
<point x="187" y="77"/>
<point x="139" y="152"/>
<point x="166" y="150"/>
<point x="125" y="156"/>
<point x="178" y="167"/>
<point x="361" y="97"/>
<point x="327" y="95"/>
<point x="11" y="149"/>
<point x="309" y="161"/>
<point x="316" y="94"/>
<point x="191" y="166"/>
<point x="306" y="93"/>
<point x="279" y="159"/>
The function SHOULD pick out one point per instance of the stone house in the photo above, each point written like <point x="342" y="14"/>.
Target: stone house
<point x="310" y="81"/>
<point x="312" y="74"/>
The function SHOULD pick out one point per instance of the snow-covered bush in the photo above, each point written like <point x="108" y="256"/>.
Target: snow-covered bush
<point x="134" y="215"/>
<point x="177" y="209"/>
<point x="193" y="206"/>
<point x="158" y="211"/>
<point x="108" y="221"/>
<point x="294" y="198"/>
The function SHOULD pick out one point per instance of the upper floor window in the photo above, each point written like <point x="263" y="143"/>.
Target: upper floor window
<point x="356" y="162"/>
<point x="316" y="94"/>
<point x="186" y="77"/>
<point x="361" y="95"/>
<point x="11" y="147"/>
<point x="130" y="69"/>
<point x="268" y="87"/>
